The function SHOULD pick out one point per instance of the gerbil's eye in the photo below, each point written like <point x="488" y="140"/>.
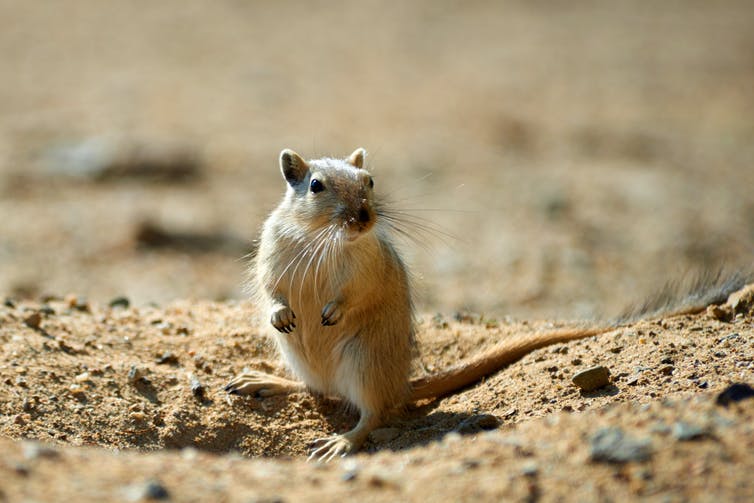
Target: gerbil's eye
<point x="371" y="182"/>
<point x="316" y="186"/>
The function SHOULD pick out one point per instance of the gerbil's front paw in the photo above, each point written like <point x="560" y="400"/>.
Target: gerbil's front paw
<point x="331" y="313"/>
<point x="329" y="448"/>
<point x="282" y="319"/>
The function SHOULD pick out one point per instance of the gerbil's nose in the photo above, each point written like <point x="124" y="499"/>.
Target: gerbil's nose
<point x="364" y="215"/>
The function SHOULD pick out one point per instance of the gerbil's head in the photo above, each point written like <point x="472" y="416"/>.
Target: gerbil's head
<point x="335" y="193"/>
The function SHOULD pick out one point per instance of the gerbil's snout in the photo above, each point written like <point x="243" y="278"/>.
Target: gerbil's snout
<point x="364" y="216"/>
<point x="359" y="220"/>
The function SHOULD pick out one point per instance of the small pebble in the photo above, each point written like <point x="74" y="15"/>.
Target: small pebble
<point x="84" y="376"/>
<point x="78" y="303"/>
<point x="136" y="374"/>
<point x="120" y="302"/>
<point x="477" y="423"/>
<point x="633" y="380"/>
<point x="77" y="391"/>
<point x="530" y="469"/>
<point x="734" y="393"/>
<point x="9" y="303"/>
<point x="33" y="320"/>
<point x="167" y="357"/>
<point x="720" y="313"/>
<point x="349" y="476"/>
<point x="47" y="310"/>
<point x="685" y="431"/>
<point x="510" y="413"/>
<point x="150" y="490"/>
<point x="137" y="416"/>
<point x="592" y="378"/>
<point x="197" y="388"/>
<point x="33" y="450"/>
<point x="667" y="370"/>
<point x="611" y="445"/>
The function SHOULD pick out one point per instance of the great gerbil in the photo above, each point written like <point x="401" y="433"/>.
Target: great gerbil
<point x="338" y="294"/>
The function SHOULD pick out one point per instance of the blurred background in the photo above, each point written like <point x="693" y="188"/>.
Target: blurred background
<point x="574" y="155"/>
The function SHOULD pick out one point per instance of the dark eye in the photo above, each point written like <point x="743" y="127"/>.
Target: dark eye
<point x="316" y="186"/>
<point x="371" y="182"/>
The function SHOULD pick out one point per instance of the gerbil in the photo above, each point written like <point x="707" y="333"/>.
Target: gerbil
<point x="338" y="294"/>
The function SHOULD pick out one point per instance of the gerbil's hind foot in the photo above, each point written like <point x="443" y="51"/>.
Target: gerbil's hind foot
<point x="283" y="319"/>
<point x="261" y="384"/>
<point x="328" y="448"/>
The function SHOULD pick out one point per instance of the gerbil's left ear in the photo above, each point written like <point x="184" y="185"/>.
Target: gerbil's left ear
<point x="357" y="158"/>
<point x="293" y="166"/>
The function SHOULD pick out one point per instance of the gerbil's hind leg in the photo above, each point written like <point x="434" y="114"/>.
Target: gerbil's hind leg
<point x="328" y="448"/>
<point x="261" y="384"/>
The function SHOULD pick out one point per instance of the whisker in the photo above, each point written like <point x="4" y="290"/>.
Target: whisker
<point x="296" y="258"/>
<point x="323" y="255"/>
<point x="426" y="227"/>
<point x="316" y="251"/>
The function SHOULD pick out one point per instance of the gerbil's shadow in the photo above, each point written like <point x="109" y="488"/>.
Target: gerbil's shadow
<point x="414" y="426"/>
<point x="422" y="425"/>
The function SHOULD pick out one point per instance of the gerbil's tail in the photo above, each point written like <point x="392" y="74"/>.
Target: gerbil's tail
<point x="468" y="372"/>
<point x="686" y="297"/>
<point x="690" y="295"/>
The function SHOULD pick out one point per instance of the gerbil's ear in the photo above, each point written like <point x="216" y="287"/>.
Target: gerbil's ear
<point x="293" y="166"/>
<point x="357" y="158"/>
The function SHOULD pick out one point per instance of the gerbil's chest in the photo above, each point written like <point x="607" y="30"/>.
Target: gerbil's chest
<point x="320" y="269"/>
<point x="303" y="274"/>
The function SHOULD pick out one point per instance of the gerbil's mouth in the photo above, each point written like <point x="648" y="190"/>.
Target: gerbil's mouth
<point x="358" y="224"/>
<point x="353" y="231"/>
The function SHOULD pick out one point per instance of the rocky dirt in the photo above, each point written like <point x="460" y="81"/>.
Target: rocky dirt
<point x="122" y="403"/>
<point x="563" y="159"/>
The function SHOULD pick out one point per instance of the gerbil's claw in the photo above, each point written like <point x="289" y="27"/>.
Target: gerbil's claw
<point x="260" y="384"/>
<point x="330" y="448"/>
<point x="331" y="314"/>
<point x="282" y="320"/>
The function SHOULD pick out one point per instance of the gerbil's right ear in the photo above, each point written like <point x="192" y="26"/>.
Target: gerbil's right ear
<point x="293" y="166"/>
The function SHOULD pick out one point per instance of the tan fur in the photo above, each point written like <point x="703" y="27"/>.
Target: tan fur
<point x="339" y="302"/>
<point x="318" y="259"/>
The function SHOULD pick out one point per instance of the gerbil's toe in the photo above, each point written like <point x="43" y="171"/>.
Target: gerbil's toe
<point x="329" y="448"/>
<point x="261" y="385"/>
<point x="250" y="383"/>
<point x="331" y="313"/>
<point x="282" y="320"/>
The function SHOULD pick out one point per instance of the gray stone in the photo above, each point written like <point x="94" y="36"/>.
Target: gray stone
<point x="611" y="445"/>
<point x="685" y="431"/>
<point x="592" y="378"/>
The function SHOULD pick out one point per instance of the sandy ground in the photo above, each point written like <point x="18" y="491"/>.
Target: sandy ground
<point x="567" y="157"/>
<point x="139" y="393"/>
